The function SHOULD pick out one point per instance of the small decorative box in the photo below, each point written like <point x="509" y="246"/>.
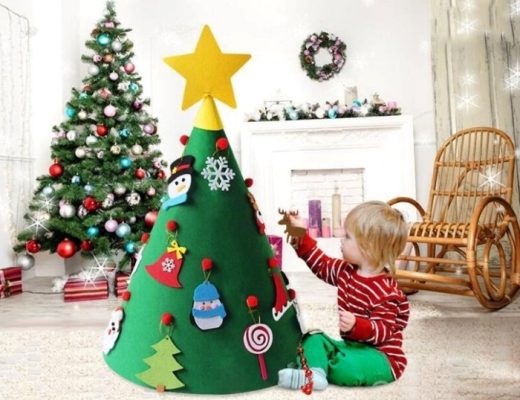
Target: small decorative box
<point x="79" y="290"/>
<point x="10" y="281"/>
<point x="121" y="283"/>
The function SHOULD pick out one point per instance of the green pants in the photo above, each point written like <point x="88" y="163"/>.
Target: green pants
<point x="346" y="362"/>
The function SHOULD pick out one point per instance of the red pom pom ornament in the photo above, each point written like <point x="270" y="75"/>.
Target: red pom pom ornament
<point x="184" y="139"/>
<point x="126" y="296"/>
<point x="207" y="264"/>
<point x="167" y="319"/>
<point x="252" y="301"/>
<point x="248" y="182"/>
<point x="172" y="225"/>
<point x="222" y="144"/>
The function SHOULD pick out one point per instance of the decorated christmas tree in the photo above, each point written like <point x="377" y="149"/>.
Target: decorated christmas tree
<point x="207" y="279"/>
<point x="105" y="183"/>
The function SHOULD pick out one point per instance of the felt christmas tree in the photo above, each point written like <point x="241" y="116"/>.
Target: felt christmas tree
<point x="207" y="263"/>
<point x="105" y="183"/>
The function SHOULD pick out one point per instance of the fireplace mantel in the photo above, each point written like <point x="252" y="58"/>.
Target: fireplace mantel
<point x="382" y="147"/>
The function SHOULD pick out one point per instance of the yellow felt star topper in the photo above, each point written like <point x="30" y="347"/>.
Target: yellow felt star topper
<point x="208" y="74"/>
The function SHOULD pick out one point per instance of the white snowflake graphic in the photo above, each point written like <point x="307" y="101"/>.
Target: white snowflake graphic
<point x="218" y="173"/>
<point x="168" y="265"/>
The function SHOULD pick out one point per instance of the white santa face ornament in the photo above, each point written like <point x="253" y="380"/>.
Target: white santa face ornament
<point x="113" y="329"/>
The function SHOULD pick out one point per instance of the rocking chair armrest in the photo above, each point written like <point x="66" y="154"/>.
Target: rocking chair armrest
<point x="409" y="200"/>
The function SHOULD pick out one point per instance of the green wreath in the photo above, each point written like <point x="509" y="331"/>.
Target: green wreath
<point x="312" y="45"/>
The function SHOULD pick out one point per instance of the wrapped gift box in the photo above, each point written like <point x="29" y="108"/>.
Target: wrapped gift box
<point x="79" y="290"/>
<point x="276" y="243"/>
<point x="121" y="283"/>
<point x="10" y="281"/>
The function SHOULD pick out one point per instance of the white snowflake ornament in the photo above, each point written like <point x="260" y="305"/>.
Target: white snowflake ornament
<point x="218" y="173"/>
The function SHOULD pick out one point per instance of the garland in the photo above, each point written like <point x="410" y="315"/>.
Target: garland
<point x="312" y="45"/>
<point x="281" y="112"/>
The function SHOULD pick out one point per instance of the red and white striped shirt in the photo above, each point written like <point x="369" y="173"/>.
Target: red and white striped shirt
<point x="380" y="307"/>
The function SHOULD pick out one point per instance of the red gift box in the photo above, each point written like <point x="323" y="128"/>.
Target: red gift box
<point x="79" y="290"/>
<point x="276" y="243"/>
<point x="121" y="283"/>
<point x="10" y="281"/>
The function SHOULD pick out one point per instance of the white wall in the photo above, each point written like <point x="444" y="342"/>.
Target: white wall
<point x="388" y="52"/>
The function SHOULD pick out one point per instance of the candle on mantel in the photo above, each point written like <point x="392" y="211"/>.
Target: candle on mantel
<point x="315" y="218"/>
<point x="325" y="227"/>
<point x="337" y="229"/>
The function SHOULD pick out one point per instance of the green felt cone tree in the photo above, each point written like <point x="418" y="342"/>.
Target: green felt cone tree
<point x="106" y="174"/>
<point x="208" y="262"/>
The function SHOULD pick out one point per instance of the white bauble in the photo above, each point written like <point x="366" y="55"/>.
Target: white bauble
<point x="133" y="198"/>
<point x="120" y="189"/>
<point x="71" y="135"/>
<point x="80" y="152"/>
<point x="82" y="115"/>
<point x="93" y="70"/>
<point x="115" y="149"/>
<point x="137" y="149"/>
<point x="67" y="211"/>
<point x="109" y="201"/>
<point x="91" y="140"/>
<point x="117" y="45"/>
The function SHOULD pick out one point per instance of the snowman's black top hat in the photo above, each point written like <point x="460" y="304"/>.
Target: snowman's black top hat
<point x="181" y="166"/>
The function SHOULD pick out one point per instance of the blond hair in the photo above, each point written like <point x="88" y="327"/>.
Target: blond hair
<point x="380" y="232"/>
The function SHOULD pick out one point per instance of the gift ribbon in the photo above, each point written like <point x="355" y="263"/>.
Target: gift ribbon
<point x="179" y="251"/>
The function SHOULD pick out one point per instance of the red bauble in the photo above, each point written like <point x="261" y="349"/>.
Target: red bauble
<point x="273" y="263"/>
<point x="90" y="203"/>
<point x="126" y="296"/>
<point x="252" y="301"/>
<point x="171" y="225"/>
<point x="101" y="130"/>
<point x="161" y="174"/>
<point x="32" y="246"/>
<point x="140" y="173"/>
<point x="167" y="318"/>
<point x="56" y="170"/>
<point x="222" y="144"/>
<point x="86" y="245"/>
<point x="248" y="182"/>
<point x="144" y="237"/>
<point x="184" y="139"/>
<point x="66" y="248"/>
<point x="150" y="217"/>
<point x="207" y="264"/>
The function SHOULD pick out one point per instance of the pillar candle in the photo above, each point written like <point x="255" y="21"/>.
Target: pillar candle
<point x="337" y="230"/>
<point x="315" y="215"/>
<point x="325" y="227"/>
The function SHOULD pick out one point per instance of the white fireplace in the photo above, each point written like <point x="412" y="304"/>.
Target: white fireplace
<point x="292" y="162"/>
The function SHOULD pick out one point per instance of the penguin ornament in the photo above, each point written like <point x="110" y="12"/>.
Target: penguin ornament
<point x="208" y="312"/>
<point x="179" y="181"/>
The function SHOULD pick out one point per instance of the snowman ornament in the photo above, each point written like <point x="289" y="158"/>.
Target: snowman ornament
<point x="113" y="329"/>
<point x="208" y="311"/>
<point x="179" y="182"/>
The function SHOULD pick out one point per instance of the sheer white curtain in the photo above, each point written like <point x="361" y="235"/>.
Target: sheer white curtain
<point x="16" y="164"/>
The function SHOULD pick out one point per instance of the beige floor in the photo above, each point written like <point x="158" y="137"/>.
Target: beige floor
<point x="456" y="349"/>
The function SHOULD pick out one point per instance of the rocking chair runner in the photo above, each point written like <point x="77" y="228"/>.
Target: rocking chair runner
<point x="468" y="241"/>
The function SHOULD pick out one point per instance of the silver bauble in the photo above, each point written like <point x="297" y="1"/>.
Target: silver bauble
<point x="117" y="45"/>
<point x="100" y="154"/>
<point x="67" y="211"/>
<point x="120" y="189"/>
<point x="115" y="149"/>
<point x="93" y="70"/>
<point x="71" y="135"/>
<point x="82" y="212"/>
<point x="26" y="261"/>
<point x="133" y="198"/>
<point x="109" y="201"/>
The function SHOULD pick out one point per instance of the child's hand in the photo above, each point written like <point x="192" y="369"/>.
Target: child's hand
<point x="297" y="221"/>
<point x="347" y="320"/>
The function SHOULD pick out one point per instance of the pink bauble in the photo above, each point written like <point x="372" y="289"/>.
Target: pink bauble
<point x="137" y="105"/>
<point x="151" y="192"/>
<point x="109" y="110"/>
<point x="96" y="58"/>
<point x="149" y="128"/>
<point x="113" y="76"/>
<point x="129" y="68"/>
<point x="111" y="225"/>
<point x="109" y="24"/>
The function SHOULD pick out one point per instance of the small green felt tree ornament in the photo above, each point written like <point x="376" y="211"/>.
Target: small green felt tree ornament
<point x="163" y="363"/>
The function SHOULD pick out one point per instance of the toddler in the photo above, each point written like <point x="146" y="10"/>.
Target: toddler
<point x="373" y="311"/>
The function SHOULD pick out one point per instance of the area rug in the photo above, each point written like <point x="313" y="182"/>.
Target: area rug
<point x="473" y="358"/>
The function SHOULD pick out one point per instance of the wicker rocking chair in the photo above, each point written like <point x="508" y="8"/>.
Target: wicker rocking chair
<point x="468" y="241"/>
